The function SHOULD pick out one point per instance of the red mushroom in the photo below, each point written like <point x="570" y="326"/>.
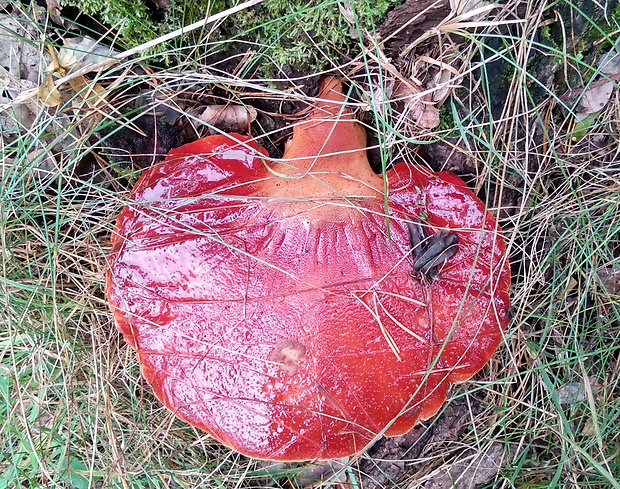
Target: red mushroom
<point x="278" y="307"/>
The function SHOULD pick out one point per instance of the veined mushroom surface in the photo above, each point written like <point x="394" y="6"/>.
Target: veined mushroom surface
<point x="280" y="307"/>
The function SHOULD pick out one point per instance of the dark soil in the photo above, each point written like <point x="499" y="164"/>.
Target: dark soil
<point x="392" y="460"/>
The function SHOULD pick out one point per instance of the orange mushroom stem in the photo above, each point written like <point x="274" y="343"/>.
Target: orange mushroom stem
<point x="327" y="153"/>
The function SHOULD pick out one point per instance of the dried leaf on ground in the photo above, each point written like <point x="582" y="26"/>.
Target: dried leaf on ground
<point x="610" y="278"/>
<point x="48" y="94"/>
<point x="347" y="12"/>
<point x="44" y="161"/>
<point x="417" y="108"/>
<point x="472" y="469"/>
<point x="19" y="73"/>
<point x="14" y="120"/>
<point x="93" y="96"/>
<point x="92" y="93"/>
<point x="574" y="392"/>
<point x="229" y="118"/>
<point x="53" y="8"/>
<point x="596" y="97"/>
<point x="588" y="429"/>
<point x="594" y="100"/>
<point x="81" y="52"/>
<point x="349" y="15"/>
<point x="441" y="80"/>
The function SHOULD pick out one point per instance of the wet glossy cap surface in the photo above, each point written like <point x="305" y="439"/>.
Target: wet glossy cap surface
<point x="291" y="327"/>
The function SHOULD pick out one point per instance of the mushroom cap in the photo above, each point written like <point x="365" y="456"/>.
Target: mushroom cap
<point x="273" y="304"/>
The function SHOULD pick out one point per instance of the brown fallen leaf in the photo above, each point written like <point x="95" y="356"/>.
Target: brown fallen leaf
<point x="596" y="96"/>
<point x="588" y="429"/>
<point x="94" y="98"/>
<point x="92" y="93"/>
<point x="442" y="79"/>
<point x="53" y="8"/>
<point x="471" y="470"/>
<point x="81" y="52"/>
<point x="420" y="110"/>
<point x="610" y="278"/>
<point x="48" y="94"/>
<point x="574" y="392"/>
<point x="229" y="118"/>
